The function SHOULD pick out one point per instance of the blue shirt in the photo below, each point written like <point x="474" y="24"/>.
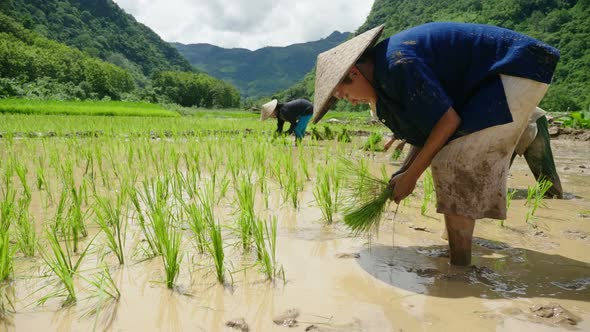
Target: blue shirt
<point x="421" y="72"/>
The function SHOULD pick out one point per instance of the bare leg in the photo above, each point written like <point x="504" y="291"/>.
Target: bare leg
<point x="444" y="235"/>
<point x="460" y="233"/>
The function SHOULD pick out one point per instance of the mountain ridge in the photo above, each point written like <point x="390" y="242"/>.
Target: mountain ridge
<point x="259" y="72"/>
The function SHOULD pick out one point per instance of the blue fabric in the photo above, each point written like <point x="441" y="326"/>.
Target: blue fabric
<point x="421" y="72"/>
<point x="301" y="126"/>
<point x="291" y="112"/>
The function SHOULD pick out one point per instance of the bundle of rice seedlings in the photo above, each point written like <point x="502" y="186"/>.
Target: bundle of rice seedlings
<point x="315" y="134"/>
<point x="344" y="136"/>
<point x="365" y="200"/>
<point x="372" y="142"/>
<point x="328" y="133"/>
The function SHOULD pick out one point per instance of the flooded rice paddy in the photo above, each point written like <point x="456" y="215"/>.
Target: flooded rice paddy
<point x="526" y="276"/>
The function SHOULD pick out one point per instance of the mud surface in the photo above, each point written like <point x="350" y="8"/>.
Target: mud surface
<point x="525" y="277"/>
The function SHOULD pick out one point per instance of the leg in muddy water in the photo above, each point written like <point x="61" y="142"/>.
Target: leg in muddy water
<point x="444" y="234"/>
<point x="460" y="233"/>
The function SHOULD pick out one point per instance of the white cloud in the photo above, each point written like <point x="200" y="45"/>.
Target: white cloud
<point x="249" y="24"/>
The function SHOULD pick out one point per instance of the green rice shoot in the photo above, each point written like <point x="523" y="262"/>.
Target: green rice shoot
<point x="365" y="200"/>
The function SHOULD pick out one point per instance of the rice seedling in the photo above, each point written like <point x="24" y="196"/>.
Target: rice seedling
<point x="25" y="228"/>
<point x="107" y="294"/>
<point x="75" y="226"/>
<point x="113" y="223"/>
<point x="304" y="167"/>
<point x="170" y="241"/>
<point x="215" y="249"/>
<point x="535" y="196"/>
<point x="366" y="199"/>
<point x="164" y="237"/>
<point x="62" y="264"/>
<point x="428" y="186"/>
<point x="372" y="142"/>
<point x="21" y="172"/>
<point x="509" y="196"/>
<point x="246" y="217"/>
<point x="328" y="133"/>
<point x="293" y="186"/>
<point x="396" y="154"/>
<point x="43" y="183"/>
<point x="277" y="171"/>
<point x="105" y="285"/>
<point x="7" y="300"/>
<point x="266" y="246"/>
<point x="6" y="250"/>
<point x="316" y="135"/>
<point x="199" y="217"/>
<point x="262" y="180"/>
<point x="136" y="199"/>
<point x="324" y="196"/>
<point x="344" y="136"/>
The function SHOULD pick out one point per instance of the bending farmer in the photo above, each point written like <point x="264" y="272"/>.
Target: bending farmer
<point x="297" y="112"/>
<point x="460" y="94"/>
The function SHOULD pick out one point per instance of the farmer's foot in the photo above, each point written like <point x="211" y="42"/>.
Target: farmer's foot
<point x="460" y="234"/>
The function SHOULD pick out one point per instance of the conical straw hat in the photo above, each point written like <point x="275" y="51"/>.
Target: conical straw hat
<point x="267" y="109"/>
<point x="334" y="64"/>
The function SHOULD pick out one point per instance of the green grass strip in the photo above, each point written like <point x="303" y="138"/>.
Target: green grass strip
<point x="99" y="108"/>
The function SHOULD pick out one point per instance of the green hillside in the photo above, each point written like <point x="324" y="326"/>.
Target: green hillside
<point x="35" y="67"/>
<point x="99" y="28"/>
<point x="263" y="71"/>
<point x="564" y="24"/>
<point x="29" y="61"/>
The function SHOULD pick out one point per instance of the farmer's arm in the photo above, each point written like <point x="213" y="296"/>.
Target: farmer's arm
<point x="388" y="144"/>
<point x="292" y="127"/>
<point x="280" y="123"/>
<point x="405" y="182"/>
<point x="412" y="154"/>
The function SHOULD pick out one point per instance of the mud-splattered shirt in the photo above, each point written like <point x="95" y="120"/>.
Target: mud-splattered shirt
<point x="421" y="72"/>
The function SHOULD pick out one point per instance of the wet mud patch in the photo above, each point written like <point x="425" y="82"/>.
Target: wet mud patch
<point x="573" y="234"/>
<point x="576" y="285"/>
<point x="238" y="324"/>
<point x="491" y="244"/>
<point x="287" y="318"/>
<point x="517" y="273"/>
<point x="554" y="314"/>
<point x="434" y="252"/>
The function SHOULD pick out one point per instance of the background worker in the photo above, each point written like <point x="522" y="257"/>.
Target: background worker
<point x="297" y="112"/>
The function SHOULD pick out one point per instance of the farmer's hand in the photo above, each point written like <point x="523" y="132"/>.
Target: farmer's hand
<point x="403" y="185"/>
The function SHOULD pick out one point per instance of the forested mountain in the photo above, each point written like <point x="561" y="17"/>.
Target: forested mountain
<point x="99" y="28"/>
<point x="29" y="61"/>
<point x="138" y="66"/>
<point x="564" y="24"/>
<point x="263" y="71"/>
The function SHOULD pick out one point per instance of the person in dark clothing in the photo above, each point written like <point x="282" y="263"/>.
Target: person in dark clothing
<point x="460" y="94"/>
<point x="297" y="112"/>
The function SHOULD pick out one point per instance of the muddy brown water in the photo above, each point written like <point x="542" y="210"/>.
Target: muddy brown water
<point x="400" y="282"/>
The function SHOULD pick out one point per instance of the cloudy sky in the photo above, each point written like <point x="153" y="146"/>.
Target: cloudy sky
<point x="249" y="24"/>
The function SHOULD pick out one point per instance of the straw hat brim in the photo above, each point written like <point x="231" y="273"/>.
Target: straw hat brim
<point x="267" y="109"/>
<point x="334" y="64"/>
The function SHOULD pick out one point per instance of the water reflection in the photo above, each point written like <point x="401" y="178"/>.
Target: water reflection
<point x="517" y="272"/>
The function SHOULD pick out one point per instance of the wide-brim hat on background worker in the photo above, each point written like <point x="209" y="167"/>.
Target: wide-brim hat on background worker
<point x="334" y="64"/>
<point x="267" y="109"/>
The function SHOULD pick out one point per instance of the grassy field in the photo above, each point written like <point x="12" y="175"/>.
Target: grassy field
<point x="103" y="108"/>
<point x="147" y="121"/>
